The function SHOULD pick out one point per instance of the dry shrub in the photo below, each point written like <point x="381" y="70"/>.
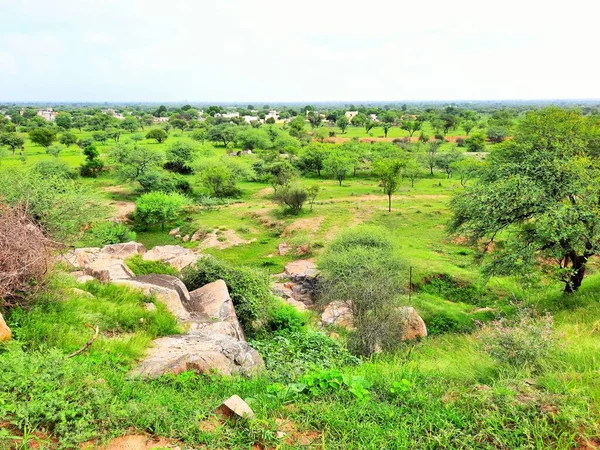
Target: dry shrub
<point x="24" y="255"/>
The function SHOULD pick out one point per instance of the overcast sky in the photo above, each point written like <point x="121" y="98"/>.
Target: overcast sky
<point x="301" y="50"/>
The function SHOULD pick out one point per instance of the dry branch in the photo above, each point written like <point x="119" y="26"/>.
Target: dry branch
<point x="88" y="343"/>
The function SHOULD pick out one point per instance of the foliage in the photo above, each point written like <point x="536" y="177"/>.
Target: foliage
<point x="367" y="279"/>
<point x="54" y="168"/>
<point x="93" y="164"/>
<point x="220" y="178"/>
<point x="540" y="192"/>
<point x="158" y="208"/>
<point x="157" y="134"/>
<point x="180" y="156"/>
<point x="224" y="133"/>
<point x="292" y="196"/>
<point x="62" y="207"/>
<point x="290" y="355"/>
<point x="12" y="141"/>
<point x="133" y="163"/>
<point x="388" y="172"/>
<point x="525" y="342"/>
<point x="497" y="134"/>
<point x="467" y="169"/>
<point x="106" y="233"/>
<point x="249" y="289"/>
<point x="140" y="266"/>
<point x="43" y="136"/>
<point x="447" y="160"/>
<point x="338" y="165"/>
<point x="475" y="143"/>
<point x="284" y="318"/>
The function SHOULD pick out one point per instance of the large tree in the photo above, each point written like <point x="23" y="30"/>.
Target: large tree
<point x="43" y="136"/>
<point x="12" y="141"/>
<point x="388" y="172"/>
<point x="540" y="195"/>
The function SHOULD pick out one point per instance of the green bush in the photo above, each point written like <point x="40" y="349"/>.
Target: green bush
<point x="106" y="233"/>
<point x="50" y="168"/>
<point x="140" y="266"/>
<point x="158" y="208"/>
<point x="249" y="288"/>
<point x="450" y="288"/>
<point x="286" y="318"/>
<point x="526" y="341"/>
<point x="364" y="236"/>
<point x="288" y="356"/>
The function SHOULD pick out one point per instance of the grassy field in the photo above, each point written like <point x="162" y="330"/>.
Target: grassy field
<point x="443" y="392"/>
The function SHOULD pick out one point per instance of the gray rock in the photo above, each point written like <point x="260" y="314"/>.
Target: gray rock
<point x="412" y="325"/>
<point x="175" y="255"/>
<point x="122" y="251"/>
<point x="235" y="407"/>
<point x="201" y="352"/>
<point x="212" y="304"/>
<point x="107" y="270"/>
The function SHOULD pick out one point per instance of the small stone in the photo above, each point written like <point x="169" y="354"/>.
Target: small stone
<point x="235" y="407"/>
<point x="280" y="435"/>
<point x="186" y="238"/>
<point x="82" y="293"/>
<point x="150" y="307"/>
<point x="142" y="320"/>
<point x="174" y="232"/>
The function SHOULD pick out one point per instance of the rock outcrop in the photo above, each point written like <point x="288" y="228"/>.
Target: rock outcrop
<point x="299" y="283"/>
<point x="5" y="333"/>
<point x="175" y="255"/>
<point x="214" y="341"/>
<point x="337" y="313"/>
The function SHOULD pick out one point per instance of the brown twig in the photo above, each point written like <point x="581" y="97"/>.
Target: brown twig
<point x="88" y="343"/>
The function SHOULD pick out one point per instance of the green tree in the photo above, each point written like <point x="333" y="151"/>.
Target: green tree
<point x="134" y="163"/>
<point x="178" y="123"/>
<point x="321" y="134"/>
<point x="431" y="155"/>
<point x="388" y="172"/>
<point x="100" y="136"/>
<point x="252" y="138"/>
<point x="468" y="125"/>
<point x="314" y="118"/>
<point x="313" y="158"/>
<point x="54" y="150"/>
<point x="67" y="139"/>
<point x="446" y="160"/>
<point x="180" y="156"/>
<point x="12" y="140"/>
<point x="43" y="136"/>
<point x="411" y="126"/>
<point x="497" y="134"/>
<point x="342" y="122"/>
<point x="475" y="143"/>
<point x="220" y="179"/>
<point x="338" y="165"/>
<point x="199" y="135"/>
<point x="64" y="121"/>
<point x="386" y="127"/>
<point x="412" y="170"/>
<point x="467" y="169"/>
<point x="369" y="124"/>
<point x="157" y="134"/>
<point x="130" y="124"/>
<point x="93" y="165"/>
<point x="539" y="193"/>
<point x="158" y="208"/>
<point x="224" y="133"/>
<point x="292" y="196"/>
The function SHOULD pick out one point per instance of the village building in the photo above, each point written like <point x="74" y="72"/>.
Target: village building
<point x="351" y="115"/>
<point x="47" y="114"/>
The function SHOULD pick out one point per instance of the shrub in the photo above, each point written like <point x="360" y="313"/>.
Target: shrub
<point x="106" y="233"/>
<point x="524" y="342"/>
<point x="156" y="208"/>
<point x="24" y="254"/>
<point x="249" y="289"/>
<point x="475" y="143"/>
<point x="51" y="168"/>
<point x="289" y="356"/>
<point x="285" y="318"/>
<point x="293" y="197"/>
<point x="157" y="181"/>
<point x="497" y="134"/>
<point x="460" y="142"/>
<point x="140" y="266"/>
<point x="367" y="279"/>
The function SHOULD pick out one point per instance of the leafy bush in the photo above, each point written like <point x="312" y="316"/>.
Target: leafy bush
<point x="163" y="182"/>
<point x="524" y="342"/>
<point x="449" y="288"/>
<point x="106" y="233"/>
<point x="475" y="143"/>
<point x="140" y="266"/>
<point x="249" y="289"/>
<point x="286" y="318"/>
<point x="288" y="356"/>
<point x="158" y="208"/>
<point x="371" y="237"/>
<point x="293" y="196"/>
<point x="51" y="168"/>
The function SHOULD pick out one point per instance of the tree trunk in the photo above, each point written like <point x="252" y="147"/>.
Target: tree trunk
<point x="389" y="202"/>
<point x="573" y="284"/>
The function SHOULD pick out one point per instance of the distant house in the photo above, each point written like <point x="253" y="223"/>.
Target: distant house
<point x="160" y="119"/>
<point x="272" y="115"/>
<point x="250" y="119"/>
<point x="47" y="114"/>
<point x="229" y="115"/>
<point x="373" y="117"/>
<point x="351" y="115"/>
<point x="113" y="113"/>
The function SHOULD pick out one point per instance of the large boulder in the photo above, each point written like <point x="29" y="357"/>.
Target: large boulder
<point x="175" y="255"/>
<point x="202" y="352"/>
<point x="412" y="325"/>
<point x="122" y="251"/>
<point x="106" y="269"/>
<point x="339" y="314"/>
<point x="168" y="290"/>
<point x="212" y="306"/>
<point x="5" y="333"/>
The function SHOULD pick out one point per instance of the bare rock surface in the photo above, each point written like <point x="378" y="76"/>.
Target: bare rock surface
<point x="5" y="333"/>
<point x="168" y="290"/>
<point x="412" y="325"/>
<point x="107" y="270"/>
<point x="337" y="313"/>
<point x="175" y="255"/>
<point x="201" y="352"/>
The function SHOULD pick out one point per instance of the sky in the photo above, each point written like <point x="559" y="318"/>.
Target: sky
<point x="296" y="51"/>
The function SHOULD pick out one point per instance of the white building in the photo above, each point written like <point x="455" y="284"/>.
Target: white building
<point x="47" y="114"/>
<point x="113" y="113"/>
<point x="351" y="115"/>
<point x="229" y="115"/>
<point x="160" y="119"/>
<point x="272" y="115"/>
<point x="250" y="119"/>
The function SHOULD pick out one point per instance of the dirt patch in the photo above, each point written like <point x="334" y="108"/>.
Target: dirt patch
<point x="309" y="224"/>
<point x="288" y="431"/>
<point x="223" y="239"/>
<point x="134" y="442"/>
<point x="122" y="210"/>
<point x="263" y="192"/>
